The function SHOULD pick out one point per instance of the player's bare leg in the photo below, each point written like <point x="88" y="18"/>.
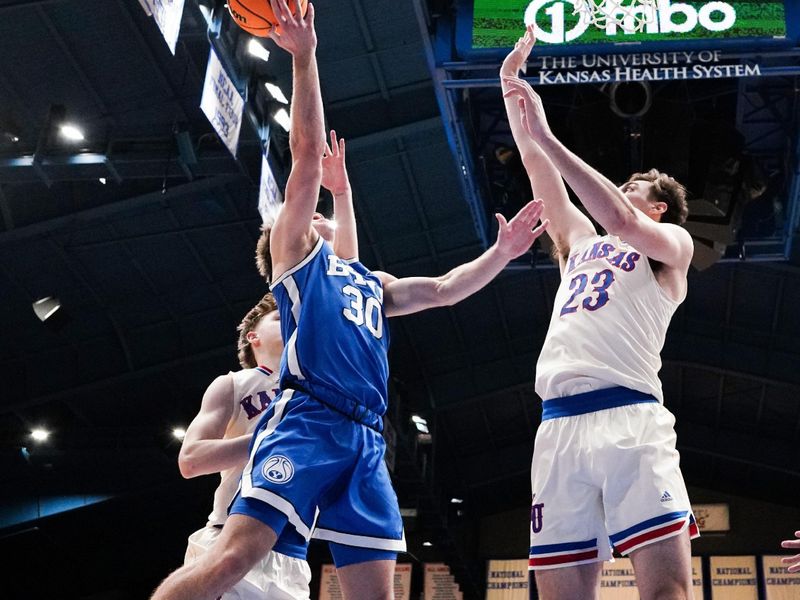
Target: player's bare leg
<point x="581" y="582"/>
<point x="664" y="569"/>
<point x="243" y="541"/>
<point x="373" y="580"/>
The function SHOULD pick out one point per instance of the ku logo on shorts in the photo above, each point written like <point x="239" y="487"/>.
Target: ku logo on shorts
<point x="278" y="469"/>
<point x="537" y="511"/>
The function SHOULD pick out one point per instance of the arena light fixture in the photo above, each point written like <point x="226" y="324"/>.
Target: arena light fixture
<point x="456" y="501"/>
<point x="102" y="180"/>
<point x="39" y="434"/>
<point x="427" y="544"/>
<point x="282" y="118"/>
<point x="276" y="92"/>
<point x="46" y="307"/>
<point x="257" y="50"/>
<point x="71" y="132"/>
<point x="179" y="433"/>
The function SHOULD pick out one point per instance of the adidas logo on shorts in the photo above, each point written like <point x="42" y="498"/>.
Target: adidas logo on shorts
<point x="665" y="497"/>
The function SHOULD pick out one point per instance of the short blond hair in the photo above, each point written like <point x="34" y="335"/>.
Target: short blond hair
<point x="266" y="305"/>
<point x="263" y="254"/>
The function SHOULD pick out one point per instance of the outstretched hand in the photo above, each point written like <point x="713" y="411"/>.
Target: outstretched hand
<point x="515" y="237"/>
<point x="792" y="561"/>
<point x="294" y="33"/>
<point x="532" y="114"/>
<point x="516" y="59"/>
<point x="334" y="170"/>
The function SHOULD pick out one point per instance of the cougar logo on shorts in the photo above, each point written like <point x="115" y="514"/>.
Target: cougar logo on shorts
<point x="278" y="469"/>
<point x="536" y="517"/>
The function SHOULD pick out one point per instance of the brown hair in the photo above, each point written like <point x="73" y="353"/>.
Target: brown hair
<point x="245" y="352"/>
<point x="666" y="189"/>
<point x="263" y="254"/>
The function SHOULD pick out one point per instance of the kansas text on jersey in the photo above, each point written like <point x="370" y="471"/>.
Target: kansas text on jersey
<point x="609" y="323"/>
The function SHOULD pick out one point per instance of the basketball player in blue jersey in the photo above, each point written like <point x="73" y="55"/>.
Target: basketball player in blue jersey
<point x="218" y="438"/>
<point x="605" y="468"/>
<point x="317" y="457"/>
<point x="217" y="441"/>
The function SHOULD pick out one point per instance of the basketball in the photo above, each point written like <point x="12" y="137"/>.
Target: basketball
<point x="256" y="16"/>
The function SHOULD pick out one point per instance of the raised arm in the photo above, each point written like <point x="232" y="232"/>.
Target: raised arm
<point x="413" y="294"/>
<point x="203" y="450"/>
<point x="336" y="181"/>
<point x="292" y="236"/>
<point x="666" y="243"/>
<point x="567" y="223"/>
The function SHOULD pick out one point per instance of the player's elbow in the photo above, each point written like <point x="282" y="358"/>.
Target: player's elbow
<point x="187" y="465"/>
<point x="306" y="147"/>
<point x="620" y="223"/>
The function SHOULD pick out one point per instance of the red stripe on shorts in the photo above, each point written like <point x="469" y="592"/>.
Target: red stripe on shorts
<point x="561" y="559"/>
<point x="649" y="536"/>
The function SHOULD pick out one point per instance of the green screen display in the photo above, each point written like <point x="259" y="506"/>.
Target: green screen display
<point x="499" y="23"/>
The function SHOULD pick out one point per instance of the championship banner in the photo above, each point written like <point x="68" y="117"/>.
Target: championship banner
<point x="697" y="576"/>
<point x="779" y="584"/>
<point x="168" y="15"/>
<point x="734" y="578"/>
<point x="507" y="580"/>
<point x="440" y="584"/>
<point x="402" y="581"/>
<point x="329" y="588"/>
<point x="221" y="103"/>
<point x="617" y="581"/>
<point x="269" y="195"/>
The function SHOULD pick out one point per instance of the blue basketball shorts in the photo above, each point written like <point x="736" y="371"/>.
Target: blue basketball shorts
<point x="323" y="474"/>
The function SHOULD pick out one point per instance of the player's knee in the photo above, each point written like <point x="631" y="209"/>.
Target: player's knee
<point x="673" y="589"/>
<point x="232" y="565"/>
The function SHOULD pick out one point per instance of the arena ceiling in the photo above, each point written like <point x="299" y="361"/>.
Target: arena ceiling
<point x="154" y="269"/>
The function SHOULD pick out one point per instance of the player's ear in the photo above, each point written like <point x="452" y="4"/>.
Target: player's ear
<point x="660" y="207"/>
<point x="252" y="337"/>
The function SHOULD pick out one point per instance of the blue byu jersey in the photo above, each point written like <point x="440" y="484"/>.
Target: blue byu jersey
<point x="336" y="334"/>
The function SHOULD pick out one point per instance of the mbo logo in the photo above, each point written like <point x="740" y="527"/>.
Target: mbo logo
<point x="278" y="469"/>
<point x="669" y="17"/>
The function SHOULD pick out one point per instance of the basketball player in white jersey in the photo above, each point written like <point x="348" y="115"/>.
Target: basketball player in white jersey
<point x="217" y="441"/>
<point x="605" y="468"/>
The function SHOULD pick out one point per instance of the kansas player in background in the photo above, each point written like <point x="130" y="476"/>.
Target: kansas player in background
<point x="319" y="445"/>
<point x="604" y="462"/>
<point x="217" y="441"/>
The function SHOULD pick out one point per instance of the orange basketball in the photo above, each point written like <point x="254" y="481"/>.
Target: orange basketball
<point x="256" y="16"/>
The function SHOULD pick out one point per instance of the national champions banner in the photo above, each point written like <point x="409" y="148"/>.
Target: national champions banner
<point x="734" y="578"/>
<point x="779" y="584"/>
<point x="617" y="581"/>
<point x="221" y="103"/>
<point x="507" y="580"/>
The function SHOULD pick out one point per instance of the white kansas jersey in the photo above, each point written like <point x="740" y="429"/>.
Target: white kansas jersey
<point x="609" y="322"/>
<point x="253" y="391"/>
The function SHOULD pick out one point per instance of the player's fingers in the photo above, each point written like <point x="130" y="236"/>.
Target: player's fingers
<point x="541" y="228"/>
<point x="790" y="559"/>
<point x="327" y="151"/>
<point x="277" y="9"/>
<point x="341" y="147"/>
<point x="501" y="220"/>
<point x="310" y="12"/>
<point x="334" y="142"/>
